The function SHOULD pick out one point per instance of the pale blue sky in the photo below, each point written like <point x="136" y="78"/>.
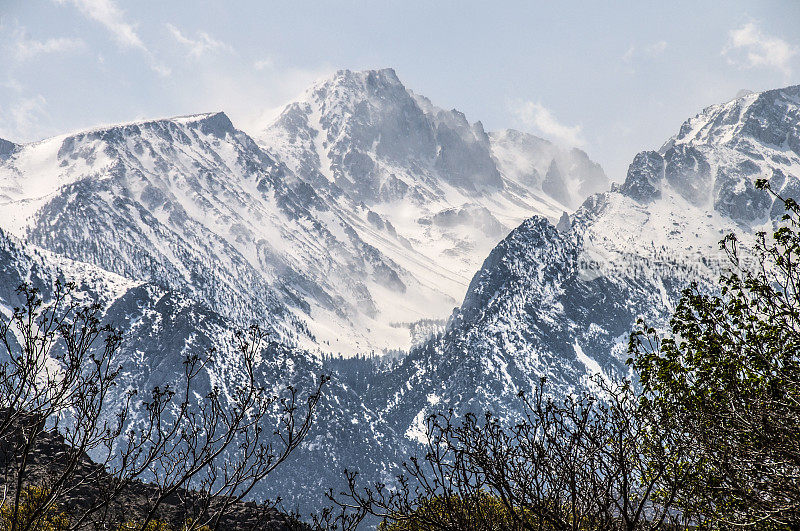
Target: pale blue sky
<point x="614" y="78"/>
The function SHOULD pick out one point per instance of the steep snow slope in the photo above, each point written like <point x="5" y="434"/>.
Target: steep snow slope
<point x="136" y="199"/>
<point x="159" y="326"/>
<point x="560" y="303"/>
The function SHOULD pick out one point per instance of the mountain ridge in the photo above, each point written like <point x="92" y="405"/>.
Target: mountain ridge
<point x="330" y="267"/>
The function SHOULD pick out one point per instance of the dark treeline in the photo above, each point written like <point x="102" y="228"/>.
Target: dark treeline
<point x="359" y="372"/>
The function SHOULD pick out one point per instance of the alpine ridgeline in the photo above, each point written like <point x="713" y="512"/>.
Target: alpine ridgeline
<point x="362" y="211"/>
<point x="427" y="189"/>
<point x="160" y="325"/>
<point x="187" y="228"/>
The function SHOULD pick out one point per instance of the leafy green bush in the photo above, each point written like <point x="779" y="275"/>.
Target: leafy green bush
<point x="35" y="512"/>
<point x="158" y="525"/>
<point x="481" y="512"/>
<point x="729" y="374"/>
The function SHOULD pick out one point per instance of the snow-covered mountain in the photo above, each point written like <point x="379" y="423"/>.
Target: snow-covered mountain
<point x="335" y="250"/>
<point x="193" y="204"/>
<point x="363" y="209"/>
<point x="172" y="202"/>
<point x="560" y="302"/>
<point x="566" y="175"/>
<point x="186" y="228"/>
<point x="159" y="326"/>
<point x="438" y="190"/>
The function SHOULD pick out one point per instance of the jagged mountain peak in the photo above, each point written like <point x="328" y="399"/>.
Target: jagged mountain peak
<point x="718" y="154"/>
<point x="366" y="130"/>
<point x="364" y="79"/>
<point x="770" y="117"/>
<point x="439" y="192"/>
<point x="216" y="123"/>
<point x="34" y="172"/>
<point x="103" y="146"/>
<point x="384" y="85"/>
<point x="378" y="141"/>
<point x="305" y="227"/>
<point x="536" y="239"/>
<point x="560" y="302"/>
<point x="341" y="92"/>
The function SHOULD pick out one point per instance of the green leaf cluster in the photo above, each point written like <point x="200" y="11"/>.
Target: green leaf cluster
<point x="729" y="375"/>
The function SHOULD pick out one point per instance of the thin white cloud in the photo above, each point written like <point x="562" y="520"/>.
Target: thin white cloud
<point x="25" y="48"/>
<point x="159" y="68"/>
<point x="749" y="47"/>
<point x="109" y="14"/>
<point x="657" y="48"/>
<point x="199" y="46"/>
<point x="112" y="17"/>
<point x="628" y="56"/>
<point x="538" y="117"/>
<point x="12" y="84"/>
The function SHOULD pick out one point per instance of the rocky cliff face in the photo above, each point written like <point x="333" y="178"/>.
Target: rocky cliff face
<point x="160" y="326"/>
<point x="439" y="190"/>
<point x="716" y="156"/>
<point x="377" y="141"/>
<point x="194" y="205"/>
<point x="7" y="149"/>
<point x="162" y="201"/>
